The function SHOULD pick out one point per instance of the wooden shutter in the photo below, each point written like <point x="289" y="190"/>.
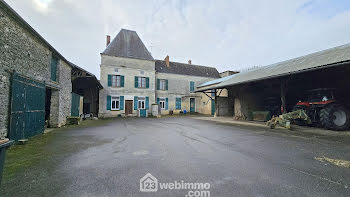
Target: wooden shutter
<point x="166" y="84"/>
<point x="109" y="80"/>
<point x="158" y="84"/>
<point x="147" y="82"/>
<point x="158" y="101"/>
<point x="109" y="100"/>
<point x="147" y="102"/>
<point x="178" y="103"/>
<point x="166" y="103"/>
<point x="136" y="82"/>
<point x="121" y="107"/>
<point x="54" y="62"/>
<point x="136" y="100"/>
<point x="121" y="80"/>
<point x="192" y="86"/>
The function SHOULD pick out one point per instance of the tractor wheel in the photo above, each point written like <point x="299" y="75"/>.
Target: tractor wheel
<point x="335" y="117"/>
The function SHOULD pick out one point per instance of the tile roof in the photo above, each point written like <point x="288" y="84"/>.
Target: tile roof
<point x="186" y="69"/>
<point x="128" y="44"/>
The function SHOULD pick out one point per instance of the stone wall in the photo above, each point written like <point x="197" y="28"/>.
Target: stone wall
<point x="224" y="106"/>
<point x="21" y="51"/>
<point x="65" y="93"/>
<point x="179" y="87"/>
<point x="129" y="68"/>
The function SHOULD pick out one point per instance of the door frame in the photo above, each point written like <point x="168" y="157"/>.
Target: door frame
<point x="195" y="107"/>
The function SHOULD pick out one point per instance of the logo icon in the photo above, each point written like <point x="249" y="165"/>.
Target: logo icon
<point x="148" y="183"/>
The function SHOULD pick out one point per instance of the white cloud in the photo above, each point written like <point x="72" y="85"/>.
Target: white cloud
<point x="227" y="34"/>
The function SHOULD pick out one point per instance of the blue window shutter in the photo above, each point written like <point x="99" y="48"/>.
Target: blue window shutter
<point x="136" y="100"/>
<point x="192" y="86"/>
<point x="54" y="62"/>
<point x="158" y="84"/>
<point x="178" y="103"/>
<point x="147" y="102"/>
<point x="166" y="84"/>
<point x="136" y="82"/>
<point x="109" y="80"/>
<point x="158" y="101"/>
<point x="147" y="82"/>
<point x="121" y="80"/>
<point x="121" y="107"/>
<point x="109" y="100"/>
<point x="166" y="103"/>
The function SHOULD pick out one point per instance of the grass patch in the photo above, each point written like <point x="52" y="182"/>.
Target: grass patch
<point x="22" y="157"/>
<point x="337" y="162"/>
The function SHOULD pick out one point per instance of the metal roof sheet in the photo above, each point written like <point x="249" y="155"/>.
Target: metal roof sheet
<point x="300" y="64"/>
<point x="216" y="81"/>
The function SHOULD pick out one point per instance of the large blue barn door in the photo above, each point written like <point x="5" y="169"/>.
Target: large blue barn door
<point x="27" y="107"/>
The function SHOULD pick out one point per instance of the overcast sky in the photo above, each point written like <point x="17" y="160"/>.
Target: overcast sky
<point x="230" y="35"/>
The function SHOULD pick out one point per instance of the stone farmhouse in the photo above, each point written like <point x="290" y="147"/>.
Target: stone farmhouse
<point x="133" y="80"/>
<point x="39" y="87"/>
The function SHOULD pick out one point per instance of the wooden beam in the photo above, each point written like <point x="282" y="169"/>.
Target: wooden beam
<point x="283" y="96"/>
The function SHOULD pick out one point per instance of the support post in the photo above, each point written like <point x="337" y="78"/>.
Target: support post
<point x="283" y="96"/>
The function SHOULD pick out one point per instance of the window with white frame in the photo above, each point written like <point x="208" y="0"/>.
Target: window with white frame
<point x="115" y="103"/>
<point x="141" y="103"/>
<point x="162" y="103"/>
<point x="116" y="80"/>
<point x="162" y="84"/>
<point x="142" y="82"/>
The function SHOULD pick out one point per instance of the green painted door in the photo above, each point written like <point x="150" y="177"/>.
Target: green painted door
<point x="27" y="107"/>
<point x="143" y="113"/>
<point x="192" y="105"/>
<point x="212" y="107"/>
<point x="75" y="105"/>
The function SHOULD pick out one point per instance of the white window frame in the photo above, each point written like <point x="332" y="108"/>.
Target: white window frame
<point x="141" y="103"/>
<point x="116" y="80"/>
<point x="142" y="82"/>
<point x="162" y="103"/>
<point x="162" y="84"/>
<point x="115" y="99"/>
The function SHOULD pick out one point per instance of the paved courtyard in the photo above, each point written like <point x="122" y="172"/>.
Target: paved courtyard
<point x="110" y="159"/>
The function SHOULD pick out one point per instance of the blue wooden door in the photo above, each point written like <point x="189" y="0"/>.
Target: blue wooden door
<point x="212" y="107"/>
<point x="192" y="105"/>
<point x="27" y="107"/>
<point x="142" y="113"/>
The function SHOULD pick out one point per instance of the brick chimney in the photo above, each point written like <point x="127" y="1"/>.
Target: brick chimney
<point x="167" y="61"/>
<point x="189" y="61"/>
<point x="108" y="40"/>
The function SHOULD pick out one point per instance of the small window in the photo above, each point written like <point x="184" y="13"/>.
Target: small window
<point x="116" y="70"/>
<point x="142" y="72"/>
<point x="141" y="103"/>
<point x="116" y="80"/>
<point x="115" y="103"/>
<point x="191" y="86"/>
<point x="162" y="84"/>
<point x="54" y="64"/>
<point x="162" y="103"/>
<point x="142" y="82"/>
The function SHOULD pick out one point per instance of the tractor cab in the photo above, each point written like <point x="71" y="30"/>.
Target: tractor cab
<point x="324" y="110"/>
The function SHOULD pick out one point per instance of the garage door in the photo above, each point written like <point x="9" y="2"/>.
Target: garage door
<point x="27" y="107"/>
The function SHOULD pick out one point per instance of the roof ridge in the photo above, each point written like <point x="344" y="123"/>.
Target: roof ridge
<point x="189" y="64"/>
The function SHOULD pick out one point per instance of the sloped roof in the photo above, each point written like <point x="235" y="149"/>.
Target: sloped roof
<point x="216" y="81"/>
<point x="186" y="69"/>
<point x="128" y="44"/>
<point x="29" y="28"/>
<point x="318" y="60"/>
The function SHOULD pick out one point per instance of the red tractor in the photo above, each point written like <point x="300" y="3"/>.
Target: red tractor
<point x="324" y="110"/>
